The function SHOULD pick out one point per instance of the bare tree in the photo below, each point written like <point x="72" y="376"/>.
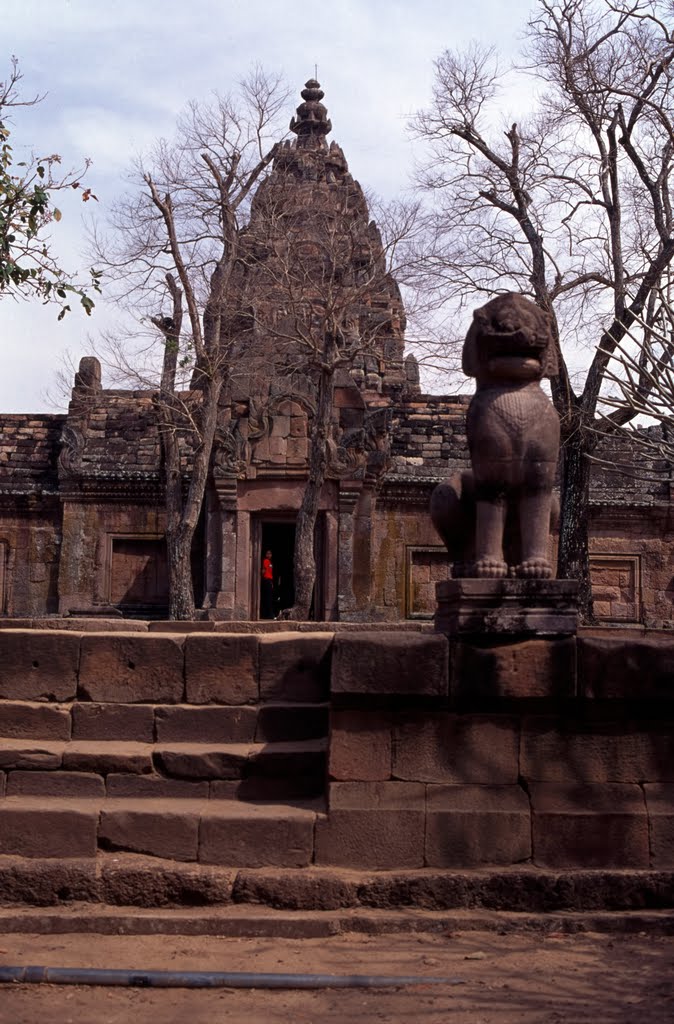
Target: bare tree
<point x="170" y="251"/>
<point x="571" y="205"/>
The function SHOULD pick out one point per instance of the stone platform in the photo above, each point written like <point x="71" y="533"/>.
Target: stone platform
<point x="249" y="767"/>
<point x="507" y="607"/>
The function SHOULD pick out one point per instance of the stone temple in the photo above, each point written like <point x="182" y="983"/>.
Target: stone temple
<point x="81" y="504"/>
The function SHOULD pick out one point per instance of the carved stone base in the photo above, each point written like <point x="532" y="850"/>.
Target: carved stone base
<point x="516" y="607"/>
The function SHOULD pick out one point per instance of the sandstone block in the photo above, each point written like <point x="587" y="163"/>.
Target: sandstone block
<point x="38" y="664"/>
<point x="160" y="831"/>
<point x="255" y="835"/>
<point x="55" y="784"/>
<point x="530" y="668"/>
<point x="187" y="724"/>
<point x="154" y="787"/>
<point x="30" y="754"/>
<point x="660" y="807"/>
<point x="31" y="829"/>
<point x="131" y="668"/>
<point x="221" y="668"/>
<point x="390" y="663"/>
<point x="133" y="722"/>
<point x="42" y="883"/>
<point x="102" y="758"/>
<point x="471" y="825"/>
<point x="375" y="825"/>
<point x="139" y="883"/>
<point x="635" y="668"/>
<point x="456" y="749"/>
<point x="594" y="826"/>
<point x="295" y="667"/>
<point x="22" y="718"/>
<point x="360" y="746"/>
<point x="563" y="750"/>
<point x="202" y="761"/>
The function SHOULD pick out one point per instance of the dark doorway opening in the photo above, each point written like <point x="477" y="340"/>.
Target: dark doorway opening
<point x="279" y="538"/>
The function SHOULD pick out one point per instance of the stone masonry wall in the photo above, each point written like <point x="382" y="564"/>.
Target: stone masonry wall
<point x="558" y="753"/>
<point x="444" y="755"/>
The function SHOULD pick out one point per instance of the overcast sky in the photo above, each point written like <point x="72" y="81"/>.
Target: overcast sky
<point x="117" y="72"/>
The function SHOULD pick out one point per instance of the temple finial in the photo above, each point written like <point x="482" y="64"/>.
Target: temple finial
<point x="312" y="123"/>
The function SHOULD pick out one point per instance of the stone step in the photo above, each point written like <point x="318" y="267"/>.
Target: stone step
<point x="215" y="831"/>
<point x="143" y="723"/>
<point x="118" y="879"/>
<point x="195" y="762"/>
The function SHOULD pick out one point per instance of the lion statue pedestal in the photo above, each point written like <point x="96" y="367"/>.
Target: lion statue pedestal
<point x="495" y="520"/>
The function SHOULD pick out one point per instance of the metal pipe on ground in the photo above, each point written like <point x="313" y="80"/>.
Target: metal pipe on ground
<point x="208" y="979"/>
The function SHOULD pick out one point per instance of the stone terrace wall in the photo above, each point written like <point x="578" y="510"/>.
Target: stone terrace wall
<point x="441" y="755"/>
<point x="458" y="755"/>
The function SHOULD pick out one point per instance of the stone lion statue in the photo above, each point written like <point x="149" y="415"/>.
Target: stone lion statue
<point x="495" y="520"/>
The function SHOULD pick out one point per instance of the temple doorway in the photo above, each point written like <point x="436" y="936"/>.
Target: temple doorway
<point x="279" y="538"/>
<point x="277" y="534"/>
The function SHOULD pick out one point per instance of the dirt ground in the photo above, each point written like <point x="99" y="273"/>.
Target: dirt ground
<point x="507" y="979"/>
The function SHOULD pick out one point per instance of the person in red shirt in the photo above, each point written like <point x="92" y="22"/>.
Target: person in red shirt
<point x="267" y="588"/>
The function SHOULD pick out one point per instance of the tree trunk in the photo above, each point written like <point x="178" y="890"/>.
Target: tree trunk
<point x="181" y="591"/>
<point x="182" y="511"/>
<point x="304" y="562"/>
<point x="574" y="554"/>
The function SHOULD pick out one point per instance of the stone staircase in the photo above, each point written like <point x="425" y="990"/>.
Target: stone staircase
<point x="192" y="748"/>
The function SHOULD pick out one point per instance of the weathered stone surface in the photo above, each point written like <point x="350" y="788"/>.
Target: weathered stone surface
<point x="160" y="828"/>
<point x="43" y="883"/>
<point x="131" y="722"/>
<point x="314" y="889"/>
<point x="148" y="882"/>
<point x="471" y="825"/>
<point x="374" y="825"/>
<point x="30" y="754"/>
<point x="222" y="668"/>
<point x="395" y="663"/>
<point x="186" y="724"/>
<point x="55" y="784"/>
<point x="202" y="760"/>
<point x="660" y="807"/>
<point x="567" y="750"/>
<point x="277" y="722"/>
<point x="443" y="747"/>
<point x="589" y="826"/>
<point x="28" y="828"/>
<point x="253" y="835"/>
<point x="505" y="607"/>
<point x="519" y="670"/>
<point x="295" y="667"/>
<point x="102" y="758"/>
<point x="129" y="669"/>
<point x="3" y="784"/>
<point x="360" y="745"/>
<point x="154" y="786"/>
<point x="634" y="668"/>
<point x="38" y="664"/>
<point x="23" y="718"/>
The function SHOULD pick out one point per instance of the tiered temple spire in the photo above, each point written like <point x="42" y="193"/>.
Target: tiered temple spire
<point x="312" y="123"/>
